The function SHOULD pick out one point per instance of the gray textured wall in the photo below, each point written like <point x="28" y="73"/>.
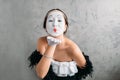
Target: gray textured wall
<point x="94" y="26"/>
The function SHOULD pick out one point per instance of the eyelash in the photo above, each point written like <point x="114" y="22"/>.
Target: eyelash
<point x="59" y="20"/>
<point x="52" y="20"/>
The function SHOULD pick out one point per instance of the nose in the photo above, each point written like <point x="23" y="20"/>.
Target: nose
<point x="55" y="23"/>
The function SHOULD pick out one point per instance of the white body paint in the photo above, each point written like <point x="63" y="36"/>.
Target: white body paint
<point x="55" y="24"/>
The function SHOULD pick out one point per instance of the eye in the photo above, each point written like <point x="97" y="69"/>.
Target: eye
<point x="59" y="20"/>
<point x="50" y="20"/>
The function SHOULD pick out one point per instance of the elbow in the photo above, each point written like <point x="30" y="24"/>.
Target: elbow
<point x="82" y="64"/>
<point x="40" y="75"/>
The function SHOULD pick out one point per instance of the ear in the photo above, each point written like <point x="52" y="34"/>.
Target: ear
<point x="65" y="27"/>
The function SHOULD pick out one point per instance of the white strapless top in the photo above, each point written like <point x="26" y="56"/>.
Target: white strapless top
<point x="63" y="69"/>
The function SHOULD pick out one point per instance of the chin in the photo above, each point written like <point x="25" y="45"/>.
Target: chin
<point x="56" y="35"/>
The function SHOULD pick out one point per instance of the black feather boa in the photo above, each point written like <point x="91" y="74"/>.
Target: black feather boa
<point x="35" y="57"/>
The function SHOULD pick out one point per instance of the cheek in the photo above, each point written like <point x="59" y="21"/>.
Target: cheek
<point x="61" y="28"/>
<point x="62" y="25"/>
<point x="49" y="26"/>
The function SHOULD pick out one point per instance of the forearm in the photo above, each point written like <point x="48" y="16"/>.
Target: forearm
<point x="43" y="66"/>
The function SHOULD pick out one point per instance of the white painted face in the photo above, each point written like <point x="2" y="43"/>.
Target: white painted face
<point x="55" y="24"/>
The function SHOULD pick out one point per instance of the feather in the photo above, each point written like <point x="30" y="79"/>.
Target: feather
<point x="87" y="70"/>
<point x="35" y="57"/>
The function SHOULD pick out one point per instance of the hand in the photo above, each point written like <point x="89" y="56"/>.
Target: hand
<point x="53" y="41"/>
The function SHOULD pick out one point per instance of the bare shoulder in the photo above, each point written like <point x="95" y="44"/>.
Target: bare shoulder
<point x="73" y="47"/>
<point x="71" y="43"/>
<point x="42" y="40"/>
<point x="41" y="44"/>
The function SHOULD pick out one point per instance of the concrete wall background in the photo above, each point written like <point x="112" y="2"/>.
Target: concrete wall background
<point x="94" y="26"/>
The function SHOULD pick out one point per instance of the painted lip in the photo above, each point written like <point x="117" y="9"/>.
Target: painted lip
<point x="55" y="30"/>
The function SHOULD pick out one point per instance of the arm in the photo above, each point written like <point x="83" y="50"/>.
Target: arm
<point x="85" y="66"/>
<point x="77" y="55"/>
<point x="44" y="64"/>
